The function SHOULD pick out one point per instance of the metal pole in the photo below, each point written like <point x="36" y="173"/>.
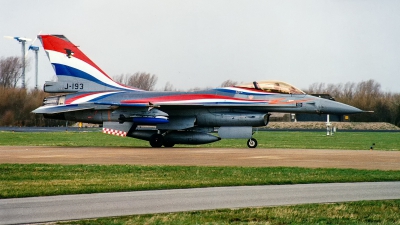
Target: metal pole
<point x="23" y="63"/>
<point x="328" y="125"/>
<point x="36" y="69"/>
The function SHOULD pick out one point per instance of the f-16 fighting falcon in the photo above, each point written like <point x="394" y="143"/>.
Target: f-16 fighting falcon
<point x="91" y="96"/>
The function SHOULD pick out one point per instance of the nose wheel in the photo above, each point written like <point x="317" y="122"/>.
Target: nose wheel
<point x="252" y="143"/>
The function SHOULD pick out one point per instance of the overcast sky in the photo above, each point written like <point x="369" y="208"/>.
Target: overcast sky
<point x="199" y="43"/>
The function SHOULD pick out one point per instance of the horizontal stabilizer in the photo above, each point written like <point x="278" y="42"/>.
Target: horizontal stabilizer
<point x="52" y="109"/>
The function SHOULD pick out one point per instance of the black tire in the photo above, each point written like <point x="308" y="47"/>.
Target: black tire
<point x="168" y="144"/>
<point x="252" y="143"/>
<point x="156" y="140"/>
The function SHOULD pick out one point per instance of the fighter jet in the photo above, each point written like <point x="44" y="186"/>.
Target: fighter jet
<point x="89" y="95"/>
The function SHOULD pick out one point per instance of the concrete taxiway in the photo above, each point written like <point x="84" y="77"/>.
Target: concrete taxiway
<point x="68" y="207"/>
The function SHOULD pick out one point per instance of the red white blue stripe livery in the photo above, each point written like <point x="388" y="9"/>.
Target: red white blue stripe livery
<point x="174" y="117"/>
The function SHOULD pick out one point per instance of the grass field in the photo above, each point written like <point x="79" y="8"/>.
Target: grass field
<point x="44" y="179"/>
<point x="284" y="139"/>
<point x="364" y="212"/>
<point x="38" y="180"/>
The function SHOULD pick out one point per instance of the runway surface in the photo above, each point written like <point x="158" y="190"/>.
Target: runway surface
<point x="43" y="209"/>
<point x="365" y="159"/>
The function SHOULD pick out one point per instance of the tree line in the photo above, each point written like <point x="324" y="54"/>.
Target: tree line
<point x="16" y="104"/>
<point x="10" y="71"/>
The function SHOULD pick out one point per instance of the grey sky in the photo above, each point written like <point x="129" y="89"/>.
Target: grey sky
<point x="202" y="43"/>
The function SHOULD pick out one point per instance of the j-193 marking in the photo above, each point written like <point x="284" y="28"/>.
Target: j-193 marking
<point x="73" y="86"/>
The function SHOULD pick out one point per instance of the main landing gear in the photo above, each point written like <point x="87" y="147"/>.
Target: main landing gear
<point x="157" y="140"/>
<point x="252" y="143"/>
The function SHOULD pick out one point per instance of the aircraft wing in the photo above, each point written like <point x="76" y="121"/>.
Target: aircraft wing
<point x="207" y="100"/>
<point x="180" y="100"/>
<point x="150" y="104"/>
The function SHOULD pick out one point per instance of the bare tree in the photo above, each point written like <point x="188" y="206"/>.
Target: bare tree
<point x="317" y="88"/>
<point x="121" y="78"/>
<point x="10" y="71"/>
<point x="229" y="83"/>
<point x="348" y="90"/>
<point x="169" y="87"/>
<point x="143" y="80"/>
<point x="140" y="80"/>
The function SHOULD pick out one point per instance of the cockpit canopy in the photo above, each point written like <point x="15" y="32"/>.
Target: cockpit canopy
<point x="273" y="86"/>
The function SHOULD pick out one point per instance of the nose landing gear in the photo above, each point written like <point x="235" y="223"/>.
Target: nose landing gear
<point x="252" y="143"/>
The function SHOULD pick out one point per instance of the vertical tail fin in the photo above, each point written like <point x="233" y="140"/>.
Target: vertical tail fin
<point x="74" y="70"/>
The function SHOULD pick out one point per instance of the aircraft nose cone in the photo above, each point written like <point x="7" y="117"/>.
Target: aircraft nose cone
<point x="333" y="107"/>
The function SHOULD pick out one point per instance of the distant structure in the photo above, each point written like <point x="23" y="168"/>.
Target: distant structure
<point x="35" y="49"/>
<point x="22" y="41"/>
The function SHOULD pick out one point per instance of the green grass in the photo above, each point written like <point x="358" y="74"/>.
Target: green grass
<point x="364" y="212"/>
<point x="319" y="140"/>
<point x="275" y="139"/>
<point x="43" y="180"/>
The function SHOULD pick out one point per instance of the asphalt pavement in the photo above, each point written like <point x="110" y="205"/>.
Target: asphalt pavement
<point x="71" y="207"/>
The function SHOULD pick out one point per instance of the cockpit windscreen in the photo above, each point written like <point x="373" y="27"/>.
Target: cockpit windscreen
<point x="273" y="87"/>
